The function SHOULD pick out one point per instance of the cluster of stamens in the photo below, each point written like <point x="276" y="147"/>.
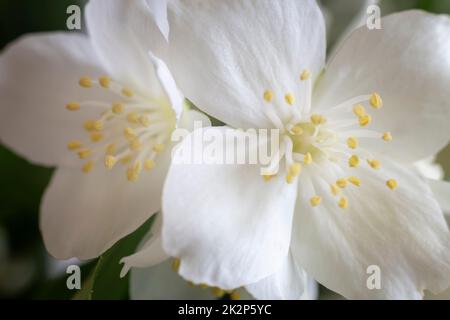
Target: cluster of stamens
<point x="309" y="138"/>
<point x="130" y="131"/>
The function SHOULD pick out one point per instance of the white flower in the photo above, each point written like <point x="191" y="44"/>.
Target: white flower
<point x="347" y="197"/>
<point x="127" y="103"/>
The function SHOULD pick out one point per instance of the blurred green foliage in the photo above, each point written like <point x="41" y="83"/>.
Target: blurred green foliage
<point x="22" y="184"/>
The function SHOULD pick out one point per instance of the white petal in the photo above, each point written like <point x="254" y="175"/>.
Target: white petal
<point x="289" y="283"/>
<point x="38" y="76"/>
<point x="158" y="9"/>
<point x="407" y="62"/>
<point x="225" y="54"/>
<point x="160" y="282"/>
<point x="83" y="215"/>
<point x="150" y="252"/>
<point x="441" y="191"/>
<point x="121" y="33"/>
<point x="401" y="231"/>
<point x="192" y="119"/>
<point x="428" y="168"/>
<point x="228" y="226"/>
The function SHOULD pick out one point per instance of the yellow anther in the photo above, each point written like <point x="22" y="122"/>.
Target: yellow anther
<point x="73" y="106"/>
<point x="149" y="164"/>
<point x="343" y="202"/>
<point x="74" y="145"/>
<point x="110" y="161"/>
<point x="97" y="125"/>
<point x="317" y="119"/>
<point x="176" y="263"/>
<point x="353" y="161"/>
<point x="117" y="108"/>
<point x="133" y="117"/>
<point x="84" y="153"/>
<point x="88" y="166"/>
<point x="295" y="169"/>
<point x="341" y="183"/>
<point x="297" y="130"/>
<point x="352" y="143"/>
<point x="85" y="82"/>
<point x="111" y="149"/>
<point x="392" y="184"/>
<point x="144" y="121"/>
<point x="308" y="158"/>
<point x="305" y="75"/>
<point x="135" y="145"/>
<point x="130" y="134"/>
<point x="235" y="295"/>
<point x="289" y="179"/>
<point x="365" y="120"/>
<point x="315" y="201"/>
<point x="126" y="159"/>
<point x="89" y="125"/>
<point x="268" y="95"/>
<point x="359" y="110"/>
<point x="134" y="171"/>
<point x="203" y="285"/>
<point x="375" y="101"/>
<point x="267" y="177"/>
<point x="290" y="99"/>
<point x="355" y="181"/>
<point x="335" y="189"/>
<point x="104" y="81"/>
<point x="96" y="136"/>
<point x="387" y="136"/>
<point x="217" y="292"/>
<point x="375" y="164"/>
<point x="127" y="92"/>
<point x="158" y="148"/>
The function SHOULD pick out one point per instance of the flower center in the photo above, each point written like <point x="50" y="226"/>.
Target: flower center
<point x="131" y="131"/>
<point x="323" y="138"/>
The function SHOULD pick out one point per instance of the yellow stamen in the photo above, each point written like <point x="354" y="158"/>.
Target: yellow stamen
<point x="144" y="121"/>
<point x="305" y="75"/>
<point x="158" y="148"/>
<point x="290" y="99"/>
<point x="110" y="161"/>
<point x="117" y="108"/>
<point x="267" y="177"/>
<point x="353" y="161"/>
<point x="135" y="145"/>
<point x="341" y="183"/>
<point x="375" y="164"/>
<point x="203" y="286"/>
<point x="134" y="171"/>
<point x="130" y="134"/>
<point x="297" y="130"/>
<point x="387" y="136"/>
<point x="126" y="159"/>
<point x="355" y="181"/>
<point x="149" y="164"/>
<point x="343" y="202"/>
<point x="133" y="117"/>
<point x="365" y="120"/>
<point x="315" y="201"/>
<point x="375" y="101"/>
<point x="268" y="96"/>
<point x="289" y="179"/>
<point x="111" y="149"/>
<point x="89" y="125"/>
<point x="235" y="295"/>
<point x="97" y="125"/>
<point x="295" y="169"/>
<point x="359" y="110"/>
<point x="127" y="92"/>
<point x="335" y="189"/>
<point x="88" y="167"/>
<point x="104" y="81"/>
<point x="74" y="145"/>
<point x="96" y="136"/>
<point x="217" y="292"/>
<point x="392" y="184"/>
<point x="176" y="263"/>
<point x="84" y="153"/>
<point x="85" y="82"/>
<point x="308" y="158"/>
<point x="352" y="143"/>
<point x="73" y="106"/>
<point x="317" y="119"/>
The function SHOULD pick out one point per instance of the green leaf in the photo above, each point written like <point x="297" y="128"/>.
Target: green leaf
<point x="104" y="282"/>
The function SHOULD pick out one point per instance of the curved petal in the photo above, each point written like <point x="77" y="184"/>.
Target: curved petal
<point x="121" y="33"/>
<point x="429" y="168"/>
<point x="38" y="76"/>
<point x="400" y="231"/>
<point x="225" y="54"/>
<point x="83" y="215"/>
<point x="227" y="225"/>
<point x="149" y="253"/>
<point x="407" y="62"/>
<point x="288" y="283"/>
<point x="441" y="191"/>
<point x="161" y="282"/>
